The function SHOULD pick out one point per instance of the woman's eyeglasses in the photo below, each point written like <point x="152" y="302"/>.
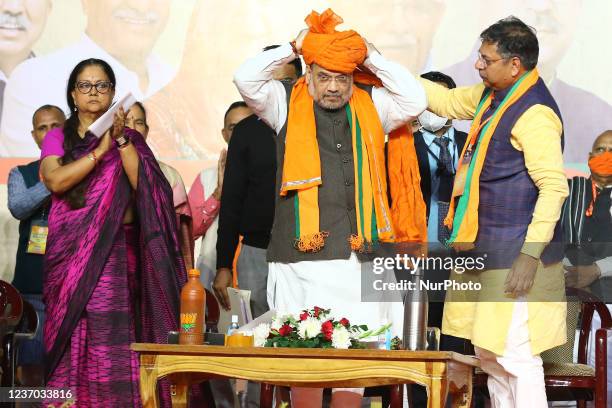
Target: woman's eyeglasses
<point x="102" y="87"/>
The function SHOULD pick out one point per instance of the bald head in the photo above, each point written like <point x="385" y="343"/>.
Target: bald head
<point x="602" y="144"/>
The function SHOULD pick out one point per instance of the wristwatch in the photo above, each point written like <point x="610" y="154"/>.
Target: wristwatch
<point x="122" y="141"/>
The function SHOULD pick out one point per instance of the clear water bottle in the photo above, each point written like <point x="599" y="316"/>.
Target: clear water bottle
<point x="384" y="338"/>
<point x="233" y="327"/>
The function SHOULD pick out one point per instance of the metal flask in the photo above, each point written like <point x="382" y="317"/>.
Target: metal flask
<point x="415" y="315"/>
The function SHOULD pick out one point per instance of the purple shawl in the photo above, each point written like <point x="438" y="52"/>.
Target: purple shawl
<point x="80" y="240"/>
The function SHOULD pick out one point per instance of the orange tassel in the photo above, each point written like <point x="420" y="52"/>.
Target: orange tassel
<point x="357" y="243"/>
<point x="448" y="220"/>
<point x="311" y="243"/>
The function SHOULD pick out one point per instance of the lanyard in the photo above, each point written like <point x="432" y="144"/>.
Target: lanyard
<point x="476" y="135"/>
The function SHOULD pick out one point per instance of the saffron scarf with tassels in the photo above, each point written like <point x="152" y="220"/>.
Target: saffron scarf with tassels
<point x="375" y="221"/>
<point x="464" y="218"/>
<point x="302" y="171"/>
<point x="408" y="208"/>
<point x="344" y="51"/>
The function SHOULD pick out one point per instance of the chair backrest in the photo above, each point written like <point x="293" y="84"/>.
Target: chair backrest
<point x="590" y="305"/>
<point x="580" y="308"/>
<point x="28" y="325"/>
<point x="565" y="352"/>
<point x="11" y="304"/>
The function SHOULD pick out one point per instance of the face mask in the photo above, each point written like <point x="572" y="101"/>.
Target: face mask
<point x="431" y="122"/>
<point x="601" y="164"/>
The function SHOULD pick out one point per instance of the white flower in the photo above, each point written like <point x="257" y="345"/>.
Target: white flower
<point x="260" y="334"/>
<point x="278" y="320"/>
<point x="309" y="328"/>
<point x="341" y="338"/>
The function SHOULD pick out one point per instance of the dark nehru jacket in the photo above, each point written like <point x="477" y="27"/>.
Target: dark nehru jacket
<point x="336" y="194"/>
<point x="507" y="193"/>
<point x="29" y="267"/>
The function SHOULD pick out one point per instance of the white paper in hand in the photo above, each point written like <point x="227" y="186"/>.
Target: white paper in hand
<point x="104" y="122"/>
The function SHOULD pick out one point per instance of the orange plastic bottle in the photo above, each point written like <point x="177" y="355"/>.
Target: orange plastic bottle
<point x="193" y="303"/>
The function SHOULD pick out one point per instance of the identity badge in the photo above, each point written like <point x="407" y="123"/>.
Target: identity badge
<point x="37" y="243"/>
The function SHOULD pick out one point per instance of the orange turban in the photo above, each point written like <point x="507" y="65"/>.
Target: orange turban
<point x="338" y="51"/>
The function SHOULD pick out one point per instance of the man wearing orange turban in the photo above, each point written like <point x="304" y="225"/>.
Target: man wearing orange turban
<point x="332" y="208"/>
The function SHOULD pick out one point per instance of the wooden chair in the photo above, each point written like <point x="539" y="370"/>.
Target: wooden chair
<point x="25" y="330"/>
<point x="569" y="381"/>
<point x="11" y="303"/>
<point x="565" y="379"/>
<point x="11" y="311"/>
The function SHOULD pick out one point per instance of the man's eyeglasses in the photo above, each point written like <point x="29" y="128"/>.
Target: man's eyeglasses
<point x="340" y="79"/>
<point x="486" y="61"/>
<point x="102" y="87"/>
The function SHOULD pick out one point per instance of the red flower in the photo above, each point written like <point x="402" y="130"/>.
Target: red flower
<point x="317" y="310"/>
<point x="344" y="321"/>
<point x="327" y="328"/>
<point x="285" y="330"/>
<point x="304" y="316"/>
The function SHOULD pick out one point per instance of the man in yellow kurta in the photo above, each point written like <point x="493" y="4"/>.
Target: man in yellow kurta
<point x="508" y="194"/>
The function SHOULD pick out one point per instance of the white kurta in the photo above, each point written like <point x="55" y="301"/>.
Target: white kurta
<point x="334" y="284"/>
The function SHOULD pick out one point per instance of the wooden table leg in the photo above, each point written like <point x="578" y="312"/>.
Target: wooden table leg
<point x="179" y="390"/>
<point x="266" y="395"/>
<point x="397" y="395"/>
<point x="148" y="381"/>
<point x="436" y="393"/>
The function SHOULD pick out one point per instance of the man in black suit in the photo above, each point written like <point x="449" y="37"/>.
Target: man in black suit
<point x="438" y="146"/>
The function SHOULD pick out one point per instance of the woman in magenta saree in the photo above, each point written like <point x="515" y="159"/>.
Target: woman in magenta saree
<point x="113" y="268"/>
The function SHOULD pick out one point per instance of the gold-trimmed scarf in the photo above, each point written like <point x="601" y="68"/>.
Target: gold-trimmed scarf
<point x="302" y="171"/>
<point x="464" y="218"/>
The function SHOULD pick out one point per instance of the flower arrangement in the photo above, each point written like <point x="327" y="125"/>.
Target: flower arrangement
<point x="313" y="328"/>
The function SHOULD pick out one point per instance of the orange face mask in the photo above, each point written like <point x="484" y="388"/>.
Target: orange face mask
<point x="601" y="164"/>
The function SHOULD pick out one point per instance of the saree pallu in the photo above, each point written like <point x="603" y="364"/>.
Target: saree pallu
<point x="98" y="273"/>
<point x="98" y="365"/>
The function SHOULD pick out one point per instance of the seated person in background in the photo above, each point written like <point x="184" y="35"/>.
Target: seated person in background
<point x="29" y="202"/>
<point x="587" y="222"/>
<point x="136" y="119"/>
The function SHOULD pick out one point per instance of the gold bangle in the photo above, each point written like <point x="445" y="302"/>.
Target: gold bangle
<point x="92" y="156"/>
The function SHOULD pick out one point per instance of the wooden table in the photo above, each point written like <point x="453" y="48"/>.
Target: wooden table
<point x="440" y="371"/>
